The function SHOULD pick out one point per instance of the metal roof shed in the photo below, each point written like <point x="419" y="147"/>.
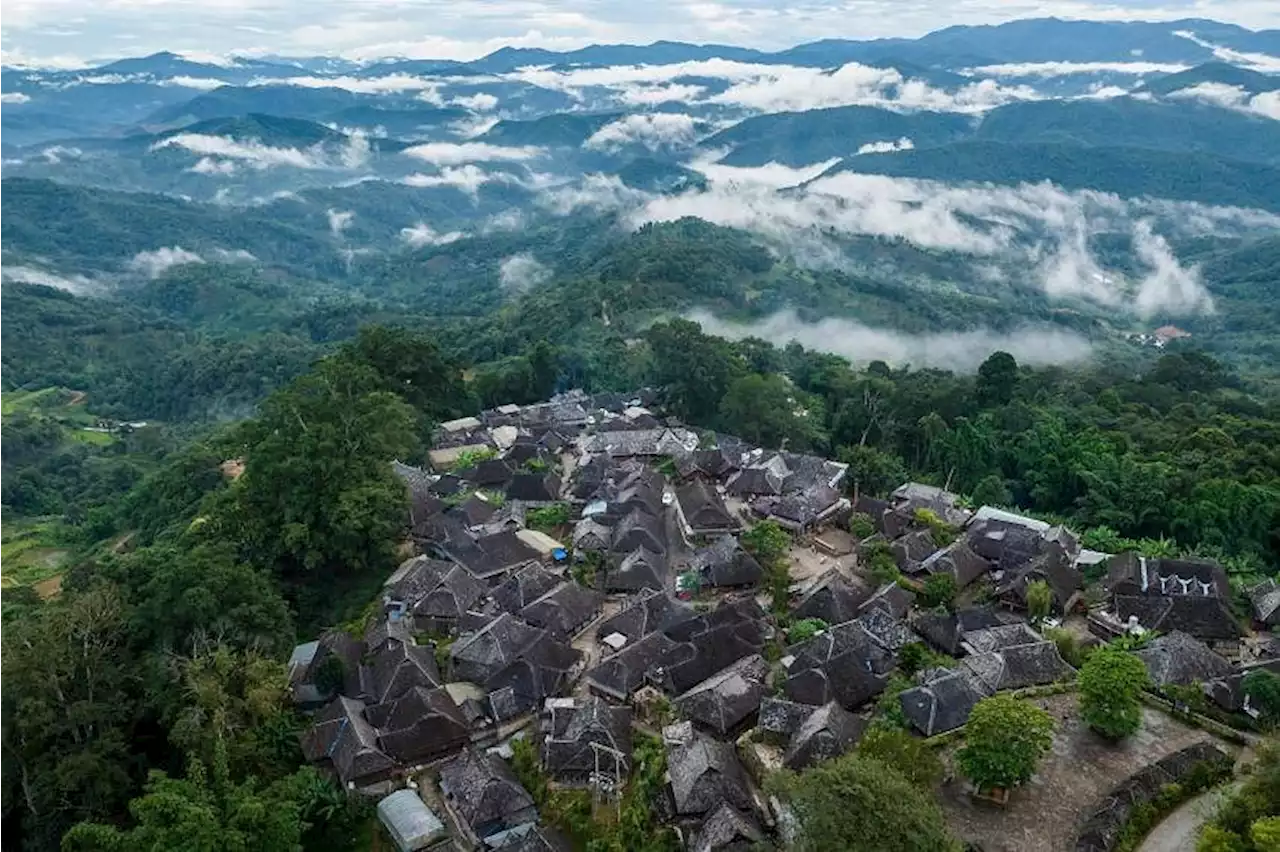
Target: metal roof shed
<point x="410" y="822"/>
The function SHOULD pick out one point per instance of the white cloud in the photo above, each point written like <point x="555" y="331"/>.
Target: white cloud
<point x="652" y="130"/>
<point x="473" y="126"/>
<point x="646" y="95"/>
<point x="34" y="275"/>
<point x="962" y="351"/>
<point x="479" y="102"/>
<point x="205" y="84"/>
<point x="212" y="166"/>
<point x="1266" y="104"/>
<point x="1168" y="289"/>
<point x="456" y="153"/>
<point x="903" y="144"/>
<point x="1257" y="61"/>
<point x="234" y="256"/>
<point x="594" y="192"/>
<point x="153" y="264"/>
<point x="355" y="154"/>
<point x="252" y="153"/>
<point x="772" y="175"/>
<point x="521" y="272"/>
<point x="339" y="221"/>
<point x="1062" y="69"/>
<point x="423" y="234"/>
<point x="390" y="84"/>
<point x="55" y="154"/>
<point x="468" y="178"/>
<point x="14" y="98"/>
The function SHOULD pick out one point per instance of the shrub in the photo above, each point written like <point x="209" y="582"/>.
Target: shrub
<point x="1111" y="683"/>
<point x="1004" y="741"/>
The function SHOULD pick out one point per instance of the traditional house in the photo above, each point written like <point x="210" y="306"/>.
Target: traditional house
<point x="642" y="568"/>
<point x="433" y="593"/>
<point x="702" y="512"/>
<point x="704" y="772"/>
<point x="942" y="702"/>
<point x="524" y="587"/>
<point x="419" y="726"/>
<point x="340" y="737"/>
<point x="487" y="473"/>
<point x="1190" y="596"/>
<point x="585" y="739"/>
<point x="534" y="488"/>
<point x="591" y="536"/>
<point x="1265" y="598"/>
<point x="1180" y="659"/>
<point x="725" y="700"/>
<point x="397" y="667"/>
<point x="486" y="796"/>
<point x="727" y="830"/>
<point x="619" y="676"/>
<point x="725" y="563"/>
<point x="322" y="669"/>
<point x="564" y="610"/>
<point x="482" y="655"/>
<point x="834" y="598"/>
<point x="840" y="664"/>
<point x="958" y="559"/>
<point x="947" y="631"/>
<point x="638" y="529"/>
<point x="829" y="731"/>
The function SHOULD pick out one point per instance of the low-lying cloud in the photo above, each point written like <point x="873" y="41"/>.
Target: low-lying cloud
<point x="959" y="351"/>
<point x="339" y="221"/>
<point x="14" y="98"/>
<point x="423" y="234"/>
<point x="479" y="102"/>
<point x="1266" y="104"/>
<point x="252" y="153"/>
<point x="467" y="178"/>
<point x="521" y="272"/>
<point x="457" y="153"/>
<point x="34" y="275"/>
<point x="886" y="147"/>
<point x="1062" y="69"/>
<point x="155" y="263"/>
<point x="654" y="131"/>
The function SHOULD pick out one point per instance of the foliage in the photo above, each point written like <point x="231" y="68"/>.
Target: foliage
<point x="1146" y="815"/>
<point x="806" y="628"/>
<point x="939" y="591"/>
<point x="769" y="411"/>
<point x="1110" y="683"/>
<point x="1256" y="799"/>
<point x="470" y="458"/>
<point x="917" y="656"/>
<point x="940" y="531"/>
<point x="878" y="559"/>
<point x="1004" y="741"/>
<point x="548" y="518"/>
<point x="861" y="526"/>
<point x="904" y="752"/>
<point x="1068" y="645"/>
<point x="1263" y="689"/>
<point x="1039" y="600"/>
<point x="859" y="802"/>
<point x="768" y="543"/>
<point x="991" y="491"/>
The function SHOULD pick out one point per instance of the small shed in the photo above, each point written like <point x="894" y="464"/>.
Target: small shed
<point x="409" y="821"/>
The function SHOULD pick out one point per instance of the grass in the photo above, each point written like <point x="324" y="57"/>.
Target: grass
<point x="14" y="401"/>
<point x="31" y="552"/>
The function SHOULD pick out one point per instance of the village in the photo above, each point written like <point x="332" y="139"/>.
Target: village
<point x="585" y="571"/>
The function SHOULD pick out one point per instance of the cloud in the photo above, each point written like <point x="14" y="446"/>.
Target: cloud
<point x="252" y="152"/>
<point x="1168" y="289"/>
<point x="456" y="153"/>
<point x="153" y="264"/>
<point x="646" y="95"/>
<point x="903" y="144"/>
<point x="34" y="275"/>
<point x="391" y="84"/>
<point x="55" y="154"/>
<point x="339" y="221"/>
<point x="211" y="166"/>
<point x="960" y="351"/>
<point x="479" y="102"/>
<point x="1266" y="104"/>
<point x="205" y="84"/>
<point x="472" y="126"/>
<point x="521" y="272"/>
<point x="423" y="234"/>
<point x="468" y="178"/>
<point x="14" y="98"/>
<point x="1257" y="61"/>
<point x="596" y="192"/>
<point x="773" y="175"/>
<point x="234" y="256"/>
<point x="355" y="154"/>
<point x="1063" y="69"/>
<point x="652" y="130"/>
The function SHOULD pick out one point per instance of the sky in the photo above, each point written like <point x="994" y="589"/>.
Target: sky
<point x="67" y="32"/>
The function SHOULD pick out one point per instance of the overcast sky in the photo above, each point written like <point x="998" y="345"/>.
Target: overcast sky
<point x="63" y="31"/>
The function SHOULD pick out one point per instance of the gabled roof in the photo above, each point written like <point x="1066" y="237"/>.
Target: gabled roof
<point x="487" y="472"/>
<point x="591" y="535"/>
<point x="699" y="657"/>
<point x="1016" y="667"/>
<point x="885" y="630"/>
<point x="781" y="717"/>
<point x="474" y="511"/>
<point x="524" y="587"/>
<point x="726" y="829"/>
<point x="542" y="670"/>
<point x="704" y="772"/>
<point x="483" y="654"/>
<point x="649" y="611"/>
<point x="485" y="793"/>
<point x="941" y="704"/>
<point x="340" y="733"/>
<point x="945" y="631"/>
<point x="805" y="507"/>
<point x="623" y="673"/>
<point x="421" y="724"/>
<point x="534" y="487"/>
<point x="1265" y="598"/>
<point x="891" y="598"/>
<point x="434" y="588"/>
<point x="641" y="442"/>
<point x="638" y="529"/>
<point x="840" y="664"/>
<point x="999" y="636"/>
<point x="1203" y="617"/>
<point x="1180" y="659"/>
<point x="397" y="667"/>
<point x="827" y="732"/>
<point x="495" y="554"/>
<point x="564" y="610"/>
<point x="640" y="569"/>
<point x="702" y="508"/>
<point x="724" y="562"/>
<point x="835" y="599"/>
<point x="754" y="480"/>
<point x="715" y="464"/>
<point x="724" y="700"/>
<point x="959" y="560"/>
<point x="583" y="735"/>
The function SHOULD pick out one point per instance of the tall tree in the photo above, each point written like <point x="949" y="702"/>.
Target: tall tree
<point x="1005" y="738"/>
<point x="695" y="368"/>
<point x="997" y="379"/>
<point x="1111" y="682"/>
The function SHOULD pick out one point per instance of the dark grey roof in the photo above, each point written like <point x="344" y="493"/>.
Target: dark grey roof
<point x="835" y="599"/>
<point x="941" y="704"/>
<point x="726" y="699"/>
<point x="1000" y="636"/>
<point x="754" y="480"/>
<point x="912" y="549"/>
<point x="891" y="598"/>
<point x="564" y="610"/>
<point x="484" y="791"/>
<point x="487" y="472"/>
<point x="1181" y="659"/>
<point x="638" y="529"/>
<point x="698" y="657"/>
<point x="649" y="611"/>
<point x="960" y="561"/>
<point x="483" y="654"/>
<point x="840" y="664"/>
<point x="397" y="667"/>
<point x="724" y="562"/>
<point x="422" y="724"/>
<point x="385" y="631"/>
<point x="827" y="732"/>
<point x="1204" y="617"/>
<point x="591" y="535"/>
<point x="714" y="464"/>
<point x="702" y="508"/>
<point x="807" y="471"/>
<point x="805" y="507"/>
<point x="1265" y="598"/>
<point x="340" y="733"/>
<point x="345" y="648"/>
<point x="491" y="555"/>
<point x="524" y="587"/>
<point x="585" y="735"/>
<point x="727" y="830"/>
<point x="636" y="442"/>
<point x="704" y="772"/>
<point x="885" y="630"/>
<point x="431" y="588"/>
<point x="534" y="487"/>
<point x="446" y="485"/>
<point x="642" y="568"/>
<point x="1017" y="666"/>
<point x="474" y="511"/>
<point x="945" y="631"/>
<point x="781" y="717"/>
<point x="623" y="673"/>
<point x="542" y="670"/>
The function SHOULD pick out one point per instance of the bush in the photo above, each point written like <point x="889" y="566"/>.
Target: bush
<point x="908" y="754"/>
<point x="861" y="526"/>
<point x="1039" y="600"/>
<point x="1068" y="645"/>
<point x="547" y="518"/>
<point x="1004" y="741"/>
<point x="939" y="590"/>
<point x="1111" y="683"/>
<point x="806" y="628"/>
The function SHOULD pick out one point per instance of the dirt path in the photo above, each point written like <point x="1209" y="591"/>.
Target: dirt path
<point x="1178" y="831"/>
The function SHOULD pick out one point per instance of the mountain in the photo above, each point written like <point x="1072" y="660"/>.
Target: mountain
<point x="1180" y="126"/>
<point x="1127" y="172"/>
<point x="649" y="175"/>
<point x="657" y="53"/>
<point x="1213" y="72"/>
<point x="802" y="138"/>
<point x="563" y="130"/>
<point x="286" y="101"/>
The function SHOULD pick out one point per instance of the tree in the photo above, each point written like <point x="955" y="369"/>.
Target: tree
<point x="899" y="750"/>
<point x="1004" y="740"/>
<point x="1235" y="826"/>
<point x="805" y="628"/>
<point x="1110" y="684"/>
<point x="1039" y="600"/>
<point x="766" y="541"/>
<point x="411" y="365"/>
<point x="872" y="471"/>
<point x="991" y="491"/>
<point x="696" y="368"/>
<point x="939" y="590"/>
<point x="997" y="379"/>
<point x="769" y="411"/>
<point x="1262" y="688"/>
<point x="858" y="802"/>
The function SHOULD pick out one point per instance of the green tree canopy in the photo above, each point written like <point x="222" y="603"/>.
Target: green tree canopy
<point x="1111" y="681"/>
<point x="1005" y="738"/>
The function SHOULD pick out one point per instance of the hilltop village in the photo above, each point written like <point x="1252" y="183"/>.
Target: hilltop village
<point x="588" y="580"/>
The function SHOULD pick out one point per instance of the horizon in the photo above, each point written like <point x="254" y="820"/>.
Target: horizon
<point x="48" y="35"/>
